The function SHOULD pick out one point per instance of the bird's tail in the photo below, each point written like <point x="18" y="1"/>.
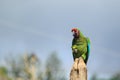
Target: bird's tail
<point x="88" y="50"/>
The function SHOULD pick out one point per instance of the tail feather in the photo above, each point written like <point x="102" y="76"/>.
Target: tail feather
<point x="88" y="50"/>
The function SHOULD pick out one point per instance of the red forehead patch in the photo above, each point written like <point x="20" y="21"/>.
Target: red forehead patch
<point x="74" y="29"/>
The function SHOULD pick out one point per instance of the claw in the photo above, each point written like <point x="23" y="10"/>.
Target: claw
<point x="75" y="50"/>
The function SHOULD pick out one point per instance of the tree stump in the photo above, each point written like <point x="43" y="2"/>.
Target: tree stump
<point x="79" y="70"/>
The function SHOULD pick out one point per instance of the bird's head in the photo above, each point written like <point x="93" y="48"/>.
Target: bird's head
<point x="76" y="32"/>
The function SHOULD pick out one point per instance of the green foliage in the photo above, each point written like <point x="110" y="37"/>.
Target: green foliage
<point x="54" y="69"/>
<point x="3" y="71"/>
<point x="116" y="77"/>
<point x="94" y="77"/>
<point x="53" y="63"/>
<point x="27" y="67"/>
<point x="4" y="74"/>
<point x="23" y="67"/>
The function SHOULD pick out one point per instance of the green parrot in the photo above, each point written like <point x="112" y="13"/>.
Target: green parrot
<point x="80" y="45"/>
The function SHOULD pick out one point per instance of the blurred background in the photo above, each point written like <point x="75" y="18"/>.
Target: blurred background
<point x="35" y="38"/>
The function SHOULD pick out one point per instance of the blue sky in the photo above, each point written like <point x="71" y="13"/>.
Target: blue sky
<point x="44" y="26"/>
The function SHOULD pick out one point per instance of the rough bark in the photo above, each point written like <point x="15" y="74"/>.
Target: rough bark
<point x="79" y="70"/>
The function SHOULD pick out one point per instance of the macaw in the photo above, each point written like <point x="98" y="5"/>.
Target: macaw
<point x="80" y="45"/>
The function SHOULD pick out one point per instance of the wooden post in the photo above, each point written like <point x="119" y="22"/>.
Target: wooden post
<point x="79" y="70"/>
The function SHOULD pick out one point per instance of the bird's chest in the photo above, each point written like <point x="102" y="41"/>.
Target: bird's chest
<point x="79" y="41"/>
